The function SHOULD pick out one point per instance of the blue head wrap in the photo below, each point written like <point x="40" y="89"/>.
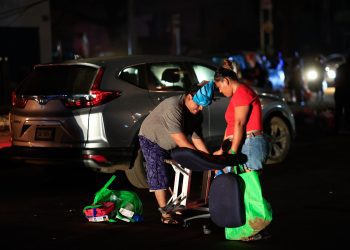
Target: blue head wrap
<point x="204" y="95"/>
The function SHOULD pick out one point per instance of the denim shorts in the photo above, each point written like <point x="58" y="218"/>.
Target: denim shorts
<point x="157" y="169"/>
<point x="257" y="149"/>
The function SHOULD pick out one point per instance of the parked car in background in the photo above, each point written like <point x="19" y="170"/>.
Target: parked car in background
<point x="90" y="111"/>
<point x="332" y="62"/>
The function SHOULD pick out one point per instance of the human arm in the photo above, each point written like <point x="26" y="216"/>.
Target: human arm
<point x="241" y="119"/>
<point x="220" y="151"/>
<point x="181" y="140"/>
<point x="200" y="145"/>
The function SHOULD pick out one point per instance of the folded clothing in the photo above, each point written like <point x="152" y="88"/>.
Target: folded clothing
<point x="101" y="210"/>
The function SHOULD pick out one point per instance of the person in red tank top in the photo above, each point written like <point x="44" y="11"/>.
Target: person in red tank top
<point x="243" y="117"/>
<point x="244" y="130"/>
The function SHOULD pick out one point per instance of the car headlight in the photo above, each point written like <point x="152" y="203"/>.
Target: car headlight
<point x="311" y="75"/>
<point x="331" y="73"/>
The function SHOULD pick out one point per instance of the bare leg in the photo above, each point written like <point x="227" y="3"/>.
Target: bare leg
<point x="162" y="201"/>
<point x="161" y="197"/>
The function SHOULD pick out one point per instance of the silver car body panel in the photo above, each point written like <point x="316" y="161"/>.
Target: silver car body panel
<point x="69" y="128"/>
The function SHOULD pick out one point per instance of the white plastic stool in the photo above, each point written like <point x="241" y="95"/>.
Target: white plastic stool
<point x="179" y="199"/>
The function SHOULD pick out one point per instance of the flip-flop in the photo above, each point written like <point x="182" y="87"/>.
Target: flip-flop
<point x="178" y="212"/>
<point x="168" y="219"/>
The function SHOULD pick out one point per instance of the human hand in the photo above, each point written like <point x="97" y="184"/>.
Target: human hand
<point x="218" y="152"/>
<point x="202" y="83"/>
<point x="218" y="172"/>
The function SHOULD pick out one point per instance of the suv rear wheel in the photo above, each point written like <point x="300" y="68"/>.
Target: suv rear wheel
<point x="137" y="174"/>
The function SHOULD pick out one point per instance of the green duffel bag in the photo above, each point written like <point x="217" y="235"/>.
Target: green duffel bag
<point x="258" y="212"/>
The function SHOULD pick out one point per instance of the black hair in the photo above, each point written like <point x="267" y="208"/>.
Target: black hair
<point x="193" y="89"/>
<point x="225" y="72"/>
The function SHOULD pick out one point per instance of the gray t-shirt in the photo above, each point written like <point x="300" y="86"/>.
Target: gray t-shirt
<point x="169" y="117"/>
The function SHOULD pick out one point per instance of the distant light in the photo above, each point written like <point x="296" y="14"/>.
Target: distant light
<point x="282" y="75"/>
<point x="331" y="74"/>
<point x="311" y="74"/>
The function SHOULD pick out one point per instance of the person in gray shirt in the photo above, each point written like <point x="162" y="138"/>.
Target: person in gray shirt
<point x="175" y="122"/>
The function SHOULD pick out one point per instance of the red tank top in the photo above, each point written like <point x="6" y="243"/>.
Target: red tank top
<point x="244" y="96"/>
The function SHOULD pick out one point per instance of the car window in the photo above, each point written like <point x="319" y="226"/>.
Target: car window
<point x="203" y="72"/>
<point x="168" y="76"/>
<point x="58" y="80"/>
<point x="131" y="75"/>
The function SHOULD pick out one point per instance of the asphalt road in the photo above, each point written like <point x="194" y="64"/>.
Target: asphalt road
<point x="41" y="206"/>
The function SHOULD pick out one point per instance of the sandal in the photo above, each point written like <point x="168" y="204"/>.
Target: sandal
<point x="178" y="213"/>
<point x="164" y="210"/>
<point x="168" y="219"/>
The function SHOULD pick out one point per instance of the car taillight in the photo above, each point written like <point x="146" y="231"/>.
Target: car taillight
<point x="18" y="101"/>
<point x="96" y="95"/>
<point x="96" y="158"/>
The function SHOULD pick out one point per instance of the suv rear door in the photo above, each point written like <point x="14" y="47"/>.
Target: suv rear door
<point x="46" y="111"/>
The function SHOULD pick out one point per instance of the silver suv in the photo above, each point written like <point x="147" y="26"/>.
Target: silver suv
<point x="90" y="111"/>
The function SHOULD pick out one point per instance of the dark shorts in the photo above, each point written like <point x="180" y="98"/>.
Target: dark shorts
<point x="157" y="169"/>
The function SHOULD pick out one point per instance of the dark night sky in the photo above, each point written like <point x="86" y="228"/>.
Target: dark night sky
<point x="207" y="27"/>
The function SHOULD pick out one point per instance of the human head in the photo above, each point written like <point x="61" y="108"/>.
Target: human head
<point x="233" y="65"/>
<point x="227" y="64"/>
<point x="223" y="78"/>
<point x="199" y="96"/>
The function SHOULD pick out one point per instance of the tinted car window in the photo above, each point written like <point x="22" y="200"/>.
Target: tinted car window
<point x="58" y="80"/>
<point x="131" y="75"/>
<point x="168" y="76"/>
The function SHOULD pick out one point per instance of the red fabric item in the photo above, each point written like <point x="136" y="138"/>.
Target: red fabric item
<point x="244" y="96"/>
<point x="105" y="209"/>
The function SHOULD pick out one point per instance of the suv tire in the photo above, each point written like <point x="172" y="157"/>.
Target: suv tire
<point x="280" y="137"/>
<point x="137" y="174"/>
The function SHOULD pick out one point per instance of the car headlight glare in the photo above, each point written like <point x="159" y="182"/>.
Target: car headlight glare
<point x="331" y="74"/>
<point x="311" y="75"/>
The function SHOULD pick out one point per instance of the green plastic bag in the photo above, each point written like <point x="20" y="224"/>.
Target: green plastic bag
<point x="258" y="211"/>
<point x="128" y="206"/>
